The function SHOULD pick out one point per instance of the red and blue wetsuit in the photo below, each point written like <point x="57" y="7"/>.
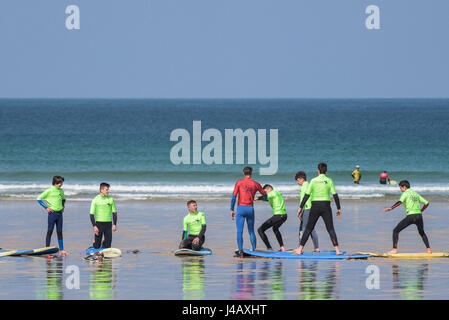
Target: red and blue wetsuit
<point x="245" y="189"/>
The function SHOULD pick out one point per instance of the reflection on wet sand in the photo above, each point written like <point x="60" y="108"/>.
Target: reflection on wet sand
<point x="102" y="280"/>
<point x="315" y="283"/>
<point x="244" y="283"/>
<point x="52" y="287"/>
<point x="409" y="280"/>
<point x="273" y="282"/>
<point x="193" y="278"/>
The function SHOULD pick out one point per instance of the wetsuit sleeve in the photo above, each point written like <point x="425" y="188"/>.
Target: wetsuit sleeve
<point x="92" y="207"/>
<point x="422" y="200"/>
<point x="233" y="202"/>
<point x="113" y="208"/>
<point x="184" y="228"/>
<point x="63" y="203"/>
<point x="397" y="204"/>
<point x="424" y="207"/>
<point x="203" y="231"/>
<point x="337" y="201"/>
<point x="234" y="195"/>
<point x="92" y="220"/>
<point x="309" y="189"/>
<point x="264" y="197"/>
<point x="304" y="200"/>
<point x="62" y="194"/>
<point x="260" y="189"/>
<point x="203" y="219"/>
<point x="114" y="218"/>
<point x="42" y="203"/>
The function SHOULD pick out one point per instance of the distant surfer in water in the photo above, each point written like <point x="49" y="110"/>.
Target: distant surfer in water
<point x="193" y="228"/>
<point x="53" y="201"/>
<point x="356" y="174"/>
<point x="318" y="191"/>
<point x="105" y="220"/>
<point x="277" y="203"/>
<point x="245" y="189"/>
<point x="411" y="201"/>
<point x="384" y="178"/>
<point x="301" y="179"/>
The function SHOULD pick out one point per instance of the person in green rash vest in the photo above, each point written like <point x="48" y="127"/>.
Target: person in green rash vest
<point x="412" y="203"/>
<point x="277" y="202"/>
<point x="105" y="220"/>
<point x="53" y="201"/>
<point x="193" y="228"/>
<point x="318" y="191"/>
<point x="301" y="179"/>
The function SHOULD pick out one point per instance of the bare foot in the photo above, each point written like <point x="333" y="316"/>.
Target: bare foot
<point x="282" y="249"/>
<point x="337" y="251"/>
<point x="299" y="250"/>
<point x="429" y="251"/>
<point x="63" y="253"/>
<point x="317" y="250"/>
<point x="394" y="251"/>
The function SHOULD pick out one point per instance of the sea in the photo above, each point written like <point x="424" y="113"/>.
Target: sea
<point x="128" y="144"/>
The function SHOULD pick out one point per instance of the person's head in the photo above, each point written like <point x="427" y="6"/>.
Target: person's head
<point x="57" y="181"/>
<point x="268" y="188"/>
<point x="322" y="168"/>
<point x="300" y="177"/>
<point x="104" y="188"/>
<point x="404" y="185"/>
<point x="357" y="167"/>
<point x="385" y="171"/>
<point x="247" y="171"/>
<point x="192" y="206"/>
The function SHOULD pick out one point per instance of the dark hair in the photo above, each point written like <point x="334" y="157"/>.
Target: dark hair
<point x="104" y="184"/>
<point x="322" y="167"/>
<point x="190" y="202"/>
<point x="247" y="171"/>
<point x="404" y="183"/>
<point x="267" y="185"/>
<point x="300" y="174"/>
<point x="57" y="180"/>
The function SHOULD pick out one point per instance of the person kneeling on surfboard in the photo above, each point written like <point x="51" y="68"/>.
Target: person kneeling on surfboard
<point x="53" y="201"/>
<point x="318" y="191"/>
<point x="277" y="202"/>
<point x="411" y="201"/>
<point x="193" y="228"/>
<point x="106" y="219"/>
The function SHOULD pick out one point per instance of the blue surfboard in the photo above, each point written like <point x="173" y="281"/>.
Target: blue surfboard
<point x="189" y="252"/>
<point x="305" y="256"/>
<point x="305" y="253"/>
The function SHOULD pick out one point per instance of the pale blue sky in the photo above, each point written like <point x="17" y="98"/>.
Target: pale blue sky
<point x="224" y="49"/>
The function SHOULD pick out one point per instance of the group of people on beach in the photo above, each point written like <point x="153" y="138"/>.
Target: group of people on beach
<point x="315" y="202"/>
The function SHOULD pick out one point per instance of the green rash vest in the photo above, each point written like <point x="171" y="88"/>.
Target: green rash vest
<point x="320" y="187"/>
<point x="411" y="201"/>
<point x="53" y="196"/>
<point x="277" y="202"/>
<point x="104" y="207"/>
<point x="302" y="193"/>
<point x="194" y="222"/>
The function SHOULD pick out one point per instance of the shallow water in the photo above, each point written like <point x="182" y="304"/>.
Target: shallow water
<point x="154" y="273"/>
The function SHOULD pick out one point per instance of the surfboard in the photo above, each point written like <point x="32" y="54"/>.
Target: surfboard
<point x="22" y="252"/>
<point x="107" y="252"/>
<point x="406" y="255"/>
<point x="305" y="256"/>
<point x="5" y="253"/>
<point x="189" y="252"/>
<point x="45" y="250"/>
<point x="393" y="182"/>
<point x="306" y="253"/>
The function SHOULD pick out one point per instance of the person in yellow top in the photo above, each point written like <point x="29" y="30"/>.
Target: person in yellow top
<point x="356" y="174"/>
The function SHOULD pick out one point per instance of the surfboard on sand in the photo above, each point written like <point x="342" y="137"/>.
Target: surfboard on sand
<point x="408" y="255"/>
<point x="189" y="252"/>
<point x="107" y="252"/>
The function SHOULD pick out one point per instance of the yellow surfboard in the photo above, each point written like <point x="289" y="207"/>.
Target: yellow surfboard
<point x="7" y="253"/>
<point x="393" y="182"/>
<point x="416" y="255"/>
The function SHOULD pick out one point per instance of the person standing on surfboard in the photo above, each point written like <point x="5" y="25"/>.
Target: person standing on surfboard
<point x="53" y="201"/>
<point x="245" y="188"/>
<point x="105" y="220"/>
<point x="318" y="191"/>
<point x="277" y="202"/>
<point x="411" y="201"/>
<point x="301" y="179"/>
<point x="193" y="228"/>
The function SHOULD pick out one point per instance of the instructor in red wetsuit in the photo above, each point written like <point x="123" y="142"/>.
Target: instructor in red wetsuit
<point x="384" y="177"/>
<point x="245" y="189"/>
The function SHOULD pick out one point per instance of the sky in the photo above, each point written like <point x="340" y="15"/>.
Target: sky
<point x="224" y="49"/>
